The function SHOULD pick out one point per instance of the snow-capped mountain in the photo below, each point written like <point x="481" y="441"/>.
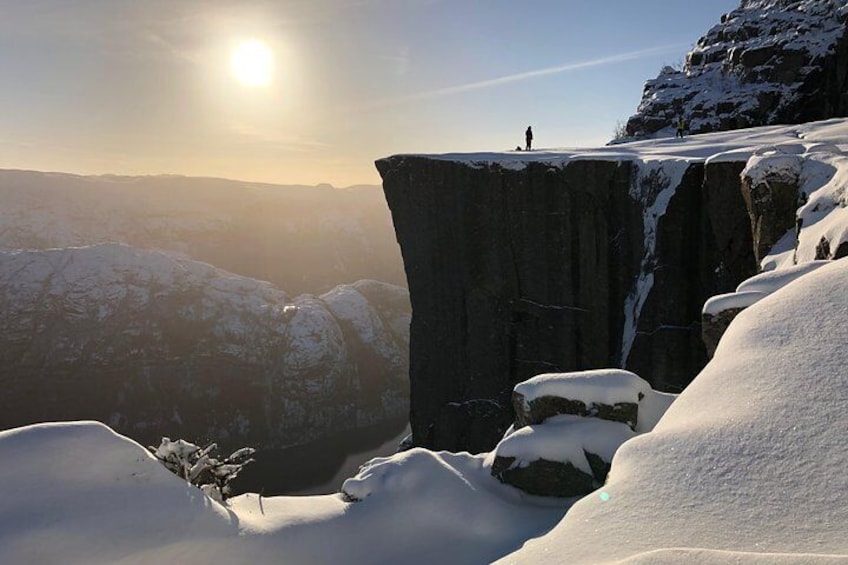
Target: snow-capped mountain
<point x="301" y="238"/>
<point x="156" y="344"/>
<point x="767" y="62"/>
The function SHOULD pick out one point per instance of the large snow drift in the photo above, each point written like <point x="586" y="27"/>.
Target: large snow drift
<point x="749" y="460"/>
<point x="78" y="493"/>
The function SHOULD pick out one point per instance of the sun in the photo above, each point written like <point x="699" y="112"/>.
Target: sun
<point x="252" y="63"/>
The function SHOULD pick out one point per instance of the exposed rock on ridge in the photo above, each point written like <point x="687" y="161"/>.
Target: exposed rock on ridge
<point x="154" y="344"/>
<point x="767" y="62"/>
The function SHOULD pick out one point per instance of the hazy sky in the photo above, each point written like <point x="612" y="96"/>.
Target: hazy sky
<point x="146" y="86"/>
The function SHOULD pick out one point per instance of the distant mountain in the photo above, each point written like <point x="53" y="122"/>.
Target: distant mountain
<point x="767" y="62"/>
<point x="301" y="238"/>
<point x="155" y="344"/>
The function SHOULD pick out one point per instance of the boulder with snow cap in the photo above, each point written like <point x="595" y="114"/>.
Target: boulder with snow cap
<point x="719" y="311"/>
<point x="607" y="394"/>
<point x="564" y="457"/>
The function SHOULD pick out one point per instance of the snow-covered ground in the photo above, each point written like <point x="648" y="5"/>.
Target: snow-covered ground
<point x="78" y="493"/>
<point x="746" y="467"/>
<point x="739" y="145"/>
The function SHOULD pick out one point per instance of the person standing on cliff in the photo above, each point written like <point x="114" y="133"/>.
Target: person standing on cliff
<point x="528" y="135"/>
<point x="681" y="126"/>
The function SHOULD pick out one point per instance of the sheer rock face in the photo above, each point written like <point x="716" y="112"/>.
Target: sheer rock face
<point x="729" y="222"/>
<point x="767" y="62"/>
<point x="513" y="273"/>
<point x="154" y="344"/>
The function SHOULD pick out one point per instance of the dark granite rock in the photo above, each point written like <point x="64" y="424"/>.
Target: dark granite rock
<point x="667" y="350"/>
<point x="772" y="204"/>
<point x="543" y="478"/>
<point x="600" y="468"/>
<point x="472" y="422"/>
<point x="823" y="249"/>
<point x="728" y="228"/>
<point x="542" y="408"/>
<point x="514" y="273"/>
<point x="841" y="251"/>
<point x="713" y="327"/>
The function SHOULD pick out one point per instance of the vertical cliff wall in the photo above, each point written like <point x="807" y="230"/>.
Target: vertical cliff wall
<point x="519" y="270"/>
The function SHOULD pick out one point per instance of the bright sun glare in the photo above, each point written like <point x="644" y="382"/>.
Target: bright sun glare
<point x="252" y="63"/>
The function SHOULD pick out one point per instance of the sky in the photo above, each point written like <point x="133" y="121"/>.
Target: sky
<point x="147" y="87"/>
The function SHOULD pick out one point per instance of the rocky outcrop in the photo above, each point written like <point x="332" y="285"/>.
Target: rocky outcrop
<point x="529" y="413"/>
<point x="713" y="327"/>
<point x="155" y="344"/>
<point x="565" y="454"/>
<point x="552" y="266"/>
<point x="300" y="238"/>
<point x="770" y="187"/>
<point x="767" y="62"/>
<point x="719" y="311"/>
<point x="547" y="478"/>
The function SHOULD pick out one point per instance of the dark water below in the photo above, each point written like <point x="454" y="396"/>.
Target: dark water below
<point x="321" y="466"/>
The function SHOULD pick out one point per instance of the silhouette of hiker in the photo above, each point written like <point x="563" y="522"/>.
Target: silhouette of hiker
<point x="681" y="126"/>
<point x="528" y="135"/>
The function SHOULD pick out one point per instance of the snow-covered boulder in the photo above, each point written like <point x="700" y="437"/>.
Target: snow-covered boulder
<point x="719" y="311"/>
<point x="564" y="457"/>
<point x="608" y="394"/>
<point x="569" y="425"/>
<point x="772" y="193"/>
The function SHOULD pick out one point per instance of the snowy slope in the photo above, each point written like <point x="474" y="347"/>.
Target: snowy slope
<point x="157" y="344"/>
